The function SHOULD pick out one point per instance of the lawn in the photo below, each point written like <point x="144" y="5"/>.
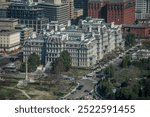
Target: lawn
<point x="77" y="72"/>
<point x="44" y="91"/>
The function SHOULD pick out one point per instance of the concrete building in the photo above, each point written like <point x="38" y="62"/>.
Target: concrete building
<point x="11" y="24"/>
<point x="78" y="13"/>
<point x="82" y="4"/>
<point x="9" y="41"/>
<point x="29" y="15"/>
<point x="3" y="1"/>
<point x="56" y="2"/>
<point x="118" y="11"/>
<point x="25" y="33"/>
<point x="3" y="9"/>
<point x="140" y="30"/>
<point x="8" y="23"/>
<point x="142" y="9"/>
<point x="55" y="12"/>
<point x="71" y="7"/>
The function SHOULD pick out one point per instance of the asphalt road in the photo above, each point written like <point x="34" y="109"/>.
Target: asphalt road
<point x="86" y="87"/>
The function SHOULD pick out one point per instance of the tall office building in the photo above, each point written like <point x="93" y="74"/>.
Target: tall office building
<point x="82" y="4"/>
<point x="3" y="9"/>
<point x="142" y="9"/>
<point x="55" y="11"/>
<point x="118" y="11"/>
<point x="71" y="7"/>
<point x="29" y="15"/>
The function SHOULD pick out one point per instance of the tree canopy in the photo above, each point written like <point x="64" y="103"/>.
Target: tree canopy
<point x="127" y="83"/>
<point x="130" y="40"/>
<point x="33" y="63"/>
<point x="62" y="63"/>
<point x="126" y="61"/>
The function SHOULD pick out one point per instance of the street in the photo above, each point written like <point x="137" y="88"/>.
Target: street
<point x="88" y="82"/>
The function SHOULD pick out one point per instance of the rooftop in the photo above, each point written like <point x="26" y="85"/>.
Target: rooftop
<point x="8" y="20"/>
<point x="111" y="1"/>
<point x="137" y="26"/>
<point x="7" y="33"/>
<point x="50" y="4"/>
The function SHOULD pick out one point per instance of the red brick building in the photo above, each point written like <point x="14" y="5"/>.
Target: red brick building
<point x="118" y="11"/>
<point x="140" y="30"/>
<point x="96" y="7"/>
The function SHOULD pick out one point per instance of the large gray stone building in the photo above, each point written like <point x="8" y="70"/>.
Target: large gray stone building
<point x="86" y="44"/>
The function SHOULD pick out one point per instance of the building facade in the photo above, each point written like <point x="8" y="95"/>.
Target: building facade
<point x="3" y="1"/>
<point x="56" y="12"/>
<point x="121" y="12"/>
<point x="9" y="41"/>
<point x="71" y="7"/>
<point x="11" y="24"/>
<point x="3" y="9"/>
<point x="8" y="23"/>
<point x="35" y="45"/>
<point x="86" y="44"/>
<point x="140" y="30"/>
<point x="142" y="9"/>
<point x="29" y="15"/>
<point x="118" y="11"/>
<point x="78" y="13"/>
<point x="82" y="4"/>
<point x="25" y="33"/>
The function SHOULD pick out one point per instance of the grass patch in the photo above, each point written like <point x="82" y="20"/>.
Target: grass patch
<point x="37" y="91"/>
<point x="77" y="72"/>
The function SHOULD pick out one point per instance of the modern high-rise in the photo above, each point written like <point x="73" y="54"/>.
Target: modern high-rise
<point x="3" y="9"/>
<point x="55" y="11"/>
<point x="142" y="9"/>
<point x="29" y="15"/>
<point x="71" y="7"/>
<point x="118" y="11"/>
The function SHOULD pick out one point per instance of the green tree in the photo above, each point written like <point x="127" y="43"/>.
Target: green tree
<point x="65" y="59"/>
<point x="110" y="70"/>
<point x="63" y="63"/>
<point x="106" y="88"/>
<point x="147" y="88"/>
<point x="126" y="62"/>
<point x="33" y="62"/>
<point x="124" y="93"/>
<point x="23" y="67"/>
<point x="130" y="40"/>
